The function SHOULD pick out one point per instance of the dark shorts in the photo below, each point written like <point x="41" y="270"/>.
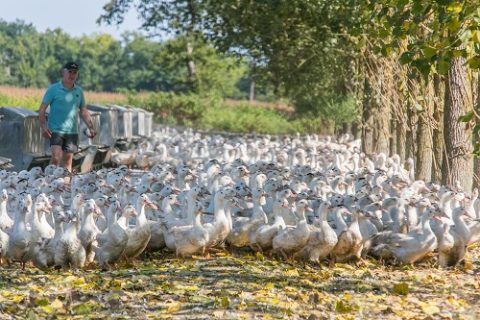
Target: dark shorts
<point x="68" y="142"/>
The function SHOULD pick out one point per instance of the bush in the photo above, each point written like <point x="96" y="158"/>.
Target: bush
<point x="246" y="119"/>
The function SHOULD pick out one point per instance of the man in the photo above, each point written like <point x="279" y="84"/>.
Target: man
<point x="66" y="101"/>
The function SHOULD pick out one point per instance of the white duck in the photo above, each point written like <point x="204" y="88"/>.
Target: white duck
<point x="261" y="239"/>
<point x="88" y="231"/>
<point x="350" y="243"/>
<point x="20" y="240"/>
<point x="69" y="251"/>
<point x="4" y="239"/>
<point x="117" y="238"/>
<point x="6" y="222"/>
<point x="40" y="228"/>
<point x="139" y="236"/>
<point x="220" y="228"/>
<point x="158" y="228"/>
<point x="239" y="235"/>
<point x="322" y="238"/>
<point x="451" y="248"/>
<point x="291" y="240"/>
<point x="190" y="239"/>
<point x="43" y="254"/>
<point x="406" y="248"/>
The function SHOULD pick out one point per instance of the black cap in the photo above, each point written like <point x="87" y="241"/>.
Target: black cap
<point x="71" y="66"/>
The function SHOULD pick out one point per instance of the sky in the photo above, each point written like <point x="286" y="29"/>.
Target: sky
<point x="75" y="17"/>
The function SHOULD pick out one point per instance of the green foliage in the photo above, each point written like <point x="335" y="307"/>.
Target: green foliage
<point x="27" y="102"/>
<point x="339" y="109"/>
<point x="32" y="59"/>
<point x="210" y="112"/>
<point x="246" y="119"/>
<point x="436" y="31"/>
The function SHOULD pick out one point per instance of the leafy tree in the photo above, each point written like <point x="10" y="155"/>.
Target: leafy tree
<point x="180" y="17"/>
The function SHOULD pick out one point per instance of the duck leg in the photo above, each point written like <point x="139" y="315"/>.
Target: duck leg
<point x="360" y="262"/>
<point x="284" y="255"/>
<point x="331" y="263"/>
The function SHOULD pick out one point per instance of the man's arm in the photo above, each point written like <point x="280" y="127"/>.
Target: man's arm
<point x="88" y="121"/>
<point x="43" y="121"/>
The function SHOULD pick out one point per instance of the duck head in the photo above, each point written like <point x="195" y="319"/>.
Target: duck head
<point x="144" y="200"/>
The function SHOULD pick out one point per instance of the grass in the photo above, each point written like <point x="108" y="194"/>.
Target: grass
<point x="242" y="286"/>
<point x="30" y="98"/>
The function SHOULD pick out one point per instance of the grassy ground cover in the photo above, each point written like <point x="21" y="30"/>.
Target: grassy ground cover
<point x="241" y="285"/>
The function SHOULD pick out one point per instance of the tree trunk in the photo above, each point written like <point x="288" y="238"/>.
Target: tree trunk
<point x="381" y="132"/>
<point x="401" y="140"/>
<point x="410" y="149"/>
<point x="423" y="170"/>
<point x="251" y="96"/>
<point x="458" y="161"/>
<point x="356" y="131"/>
<point x="439" y="91"/>
<point x="367" y="120"/>
<point x="393" y="137"/>
<point x="192" y="70"/>
<point x="383" y="105"/>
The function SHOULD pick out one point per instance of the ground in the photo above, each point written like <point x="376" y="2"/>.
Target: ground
<point x="242" y="285"/>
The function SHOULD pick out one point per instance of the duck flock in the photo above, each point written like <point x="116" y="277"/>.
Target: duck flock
<point x="299" y="197"/>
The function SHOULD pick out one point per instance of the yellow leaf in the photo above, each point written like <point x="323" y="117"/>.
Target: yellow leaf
<point x="259" y="256"/>
<point x="347" y="296"/>
<point x="42" y="301"/>
<point x="34" y="287"/>
<point x="69" y="279"/>
<point x="429" y="308"/>
<point x="186" y="288"/>
<point x="117" y="284"/>
<point x="47" y="309"/>
<point x="79" y="281"/>
<point x="291" y="273"/>
<point x="455" y="7"/>
<point x="173" y="307"/>
<point x="269" y="286"/>
<point x="401" y="288"/>
<point x="476" y="36"/>
<point x="16" y="298"/>
<point x="343" y="307"/>
<point x="225" y="302"/>
<point x="57" y="304"/>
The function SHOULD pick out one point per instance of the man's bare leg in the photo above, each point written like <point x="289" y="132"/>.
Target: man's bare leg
<point x="68" y="160"/>
<point x="57" y="154"/>
<point x="67" y="164"/>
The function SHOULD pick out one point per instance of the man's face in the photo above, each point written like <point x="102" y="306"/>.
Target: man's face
<point x="70" y="75"/>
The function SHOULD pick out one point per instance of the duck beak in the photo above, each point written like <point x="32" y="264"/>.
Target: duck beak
<point x="152" y="205"/>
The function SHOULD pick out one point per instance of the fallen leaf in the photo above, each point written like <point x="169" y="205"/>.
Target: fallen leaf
<point x="259" y="256"/>
<point x="401" y="288"/>
<point x="429" y="308"/>
<point x="225" y="302"/>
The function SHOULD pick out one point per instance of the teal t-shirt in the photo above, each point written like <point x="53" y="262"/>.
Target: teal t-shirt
<point x="64" y="107"/>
